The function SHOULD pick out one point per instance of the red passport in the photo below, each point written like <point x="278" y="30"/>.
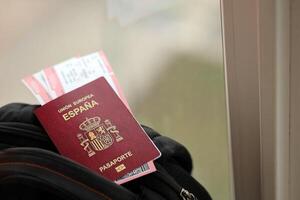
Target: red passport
<point x="92" y="126"/>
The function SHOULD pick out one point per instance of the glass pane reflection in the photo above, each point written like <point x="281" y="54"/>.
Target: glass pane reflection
<point x="166" y="54"/>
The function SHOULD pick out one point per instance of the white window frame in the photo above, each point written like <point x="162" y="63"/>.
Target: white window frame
<point x="256" y="41"/>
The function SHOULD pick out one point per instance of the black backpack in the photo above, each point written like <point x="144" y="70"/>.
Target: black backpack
<point x="31" y="168"/>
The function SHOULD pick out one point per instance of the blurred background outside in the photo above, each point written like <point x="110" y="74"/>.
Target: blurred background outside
<point x="166" y="54"/>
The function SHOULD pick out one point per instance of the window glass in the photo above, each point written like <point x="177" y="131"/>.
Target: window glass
<point x="166" y="54"/>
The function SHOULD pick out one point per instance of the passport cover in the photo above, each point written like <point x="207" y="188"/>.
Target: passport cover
<point x="91" y="125"/>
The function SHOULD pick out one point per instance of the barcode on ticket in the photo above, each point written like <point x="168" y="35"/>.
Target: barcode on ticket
<point x="137" y="171"/>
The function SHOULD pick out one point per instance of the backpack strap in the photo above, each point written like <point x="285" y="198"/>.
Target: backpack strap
<point x="38" y="169"/>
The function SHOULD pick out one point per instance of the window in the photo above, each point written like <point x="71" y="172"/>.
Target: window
<point x="166" y="54"/>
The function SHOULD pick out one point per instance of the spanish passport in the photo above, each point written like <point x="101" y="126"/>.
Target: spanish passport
<point x="92" y="126"/>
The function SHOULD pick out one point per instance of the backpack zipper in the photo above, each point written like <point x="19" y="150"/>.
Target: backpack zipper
<point x="186" y="195"/>
<point x="183" y="193"/>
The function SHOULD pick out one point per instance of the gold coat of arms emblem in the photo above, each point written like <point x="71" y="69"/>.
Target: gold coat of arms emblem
<point x="97" y="135"/>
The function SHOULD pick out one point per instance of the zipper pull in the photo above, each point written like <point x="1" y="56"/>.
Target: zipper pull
<point x="186" y="195"/>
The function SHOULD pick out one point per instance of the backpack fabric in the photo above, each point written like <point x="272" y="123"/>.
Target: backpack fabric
<point x="31" y="167"/>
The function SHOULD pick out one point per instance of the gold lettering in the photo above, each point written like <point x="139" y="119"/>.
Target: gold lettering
<point x="81" y="108"/>
<point x="66" y="107"/>
<point x="94" y="103"/>
<point x="115" y="161"/>
<point x="72" y="114"/>
<point x="66" y="117"/>
<point x="76" y="110"/>
<point x="88" y="105"/>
